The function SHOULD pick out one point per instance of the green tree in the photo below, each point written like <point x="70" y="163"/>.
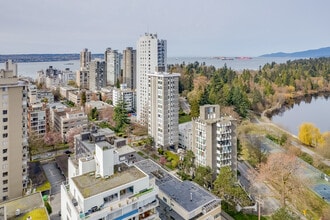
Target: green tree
<point x="118" y="83"/>
<point x="226" y="187"/>
<point x="204" y="177"/>
<point x="83" y="98"/>
<point x="93" y="114"/>
<point x="120" y="117"/>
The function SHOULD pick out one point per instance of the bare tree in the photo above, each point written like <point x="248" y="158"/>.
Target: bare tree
<point x="280" y="171"/>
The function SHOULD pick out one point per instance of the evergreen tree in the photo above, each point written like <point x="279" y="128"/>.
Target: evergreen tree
<point x="120" y="116"/>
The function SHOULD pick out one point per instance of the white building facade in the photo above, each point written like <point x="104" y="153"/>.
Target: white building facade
<point x="112" y="59"/>
<point x="100" y="188"/>
<point x="125" y="94"/>
<point x="150" y="53"/>
<point x="163" y="108"/>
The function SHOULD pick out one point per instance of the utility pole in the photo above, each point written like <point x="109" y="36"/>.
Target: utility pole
<point x="260" y="202"/>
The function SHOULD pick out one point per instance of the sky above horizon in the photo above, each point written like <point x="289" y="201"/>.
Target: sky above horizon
<point x="191" y="28"/>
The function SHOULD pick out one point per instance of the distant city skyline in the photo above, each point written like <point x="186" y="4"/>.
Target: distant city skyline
<point x="194" y="28"/>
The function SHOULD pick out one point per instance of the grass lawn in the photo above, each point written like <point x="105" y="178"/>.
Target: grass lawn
<point x="44" y="187"/>
<point x="35" y="214"/>
<point x="184" y="118"/>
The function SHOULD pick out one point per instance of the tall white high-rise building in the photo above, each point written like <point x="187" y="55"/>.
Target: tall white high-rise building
<point x="163" y="112"/>
<point x="150" y="53"/>
<point x="13" y="136"/>
<point x="112" y="59"/>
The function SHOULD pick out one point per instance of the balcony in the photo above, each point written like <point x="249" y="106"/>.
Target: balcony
<point x="111" y="208"/>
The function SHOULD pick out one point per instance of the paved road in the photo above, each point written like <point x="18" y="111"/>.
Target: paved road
<point x="255" y="189"/>
<point x="55" y="178"/>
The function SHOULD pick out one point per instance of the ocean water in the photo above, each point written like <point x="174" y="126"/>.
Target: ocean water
<point x="31" y="69"/>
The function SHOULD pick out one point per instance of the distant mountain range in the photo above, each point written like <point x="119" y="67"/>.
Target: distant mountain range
<point x="314" y="53"/>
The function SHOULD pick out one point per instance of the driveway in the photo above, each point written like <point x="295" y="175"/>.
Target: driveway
<point x="54" y="176"/>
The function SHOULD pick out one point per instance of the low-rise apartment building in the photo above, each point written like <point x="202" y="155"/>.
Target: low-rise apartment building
<point x="100" y="187"/>
<point x="65" y="119"/>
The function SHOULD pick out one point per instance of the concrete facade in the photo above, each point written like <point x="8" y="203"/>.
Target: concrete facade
<point x="125" y="94"/>
<point x="214" y="140"/>
<point x="129" y="67"/>
<point x="113" y="69"/>
<point x="163" y="109"/>
<point x="13" y="137"/>
<point x="85" y="58"/>
<point x="150" y="53"/>
<point x="97" y="75"/>
<point x="100" y="187"/>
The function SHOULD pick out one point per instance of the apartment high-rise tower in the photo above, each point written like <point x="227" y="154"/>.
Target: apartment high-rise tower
<point x="112" y="59"/>
<point x="13" y="136"/>
<point x="151" y="52"/>
<point x="85" y="58"/>
<point x="163" y="112"/>
<point x="214" y="139"/>
<point x="129" y="67"/>
<point x="97" y="75"/>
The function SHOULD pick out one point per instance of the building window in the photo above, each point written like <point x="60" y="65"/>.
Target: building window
<point x="4" y="158"/>
<point x="5" y="189"/>
<point x="5" y="127"/>
<point x="4" y="119"/>
<point x="4" y="174"/>
<point x="4" y="182"/>
<point x="4" y="112"/>
<point x="5" y="135"/>
<point x="4" y="151"/>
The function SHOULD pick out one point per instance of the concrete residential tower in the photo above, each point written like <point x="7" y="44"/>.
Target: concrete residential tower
<point x="85" y="58"/>
<point x="163" y="113"/>
<point x="129" y="67"/>
<point x="150" y="53"/>
<point x="112" y="60"/>
<point x="214" y="139"/>
<point x="13" y="136"/>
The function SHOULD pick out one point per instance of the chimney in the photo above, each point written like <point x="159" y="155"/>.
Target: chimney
<point x="191" y="196"/>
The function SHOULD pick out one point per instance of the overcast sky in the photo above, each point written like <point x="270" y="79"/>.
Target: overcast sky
<point x="191" y="27"/>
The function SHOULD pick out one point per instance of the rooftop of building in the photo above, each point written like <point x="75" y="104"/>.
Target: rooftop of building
<point x="62" y="163"/>
<point x="90" y="185"/>
<point x="187" y="194"/>
<point x="97" y="104"/>
<point x="31" y="205"/>
<point x="57" y="105"/>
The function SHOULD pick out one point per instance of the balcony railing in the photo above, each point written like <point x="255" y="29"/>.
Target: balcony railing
<point x="113" y="206"/>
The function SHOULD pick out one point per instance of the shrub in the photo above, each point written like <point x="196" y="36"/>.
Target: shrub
<point x="48" y="207"/>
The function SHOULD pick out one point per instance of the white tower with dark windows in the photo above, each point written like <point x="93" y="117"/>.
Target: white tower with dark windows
<point x="151" y="53"/>
<point x="163" y="112"/>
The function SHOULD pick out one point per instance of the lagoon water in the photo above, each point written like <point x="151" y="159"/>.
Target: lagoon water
<point x="315" y="110"/>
